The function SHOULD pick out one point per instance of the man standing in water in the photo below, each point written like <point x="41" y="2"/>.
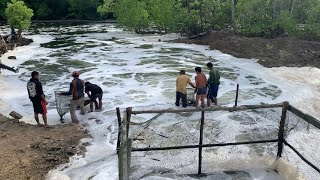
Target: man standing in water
<point x="213" y="82"/>
<point x="201" y="86"/>
<point x="181" y="83"/>
<point x="37" y="98"/>
<point x="77" y="91"/>
<point x="94" y="92"/>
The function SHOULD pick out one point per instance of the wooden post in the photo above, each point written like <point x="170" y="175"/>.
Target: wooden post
<point x="129" y="148"/>
<point x="128" y="110"/>
<point x="237" y="95"/>
<point x="123" y="150"/>
<point x="281" y="128"/>
<point x="200" y="143"/>
<point x="120" y="163"/>
<point x="119" y="129"/>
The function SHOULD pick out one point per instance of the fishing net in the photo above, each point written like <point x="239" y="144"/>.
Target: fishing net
<point x="62" y="103"/>
<point x="190" y="96"/>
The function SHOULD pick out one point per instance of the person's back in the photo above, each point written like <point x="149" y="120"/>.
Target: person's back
<point x="37" y="98"/>
<point x="94" y="92"/>
<point x="201" y="80"/>
<point x="34" y="89"/>
<point x="77" y="88"/>
<point x="214" y="77"/>
<point x="77" y="91"/>
<point x="181" y="92"/>
<point x="182" y="82"/>
<point x="93" y="88"/>
<point x="213" y="82"/>
<point x="201" y="85"/>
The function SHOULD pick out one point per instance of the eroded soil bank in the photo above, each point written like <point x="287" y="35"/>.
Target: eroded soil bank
<point x="29" y="152"/>
<point x="282" y="51"/>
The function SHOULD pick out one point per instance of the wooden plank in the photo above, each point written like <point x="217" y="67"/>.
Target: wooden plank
<point x="125" y="161"/>
<point x="122" y="150"/>
<point x="281" y="128"/>
<point x="310" y="119"/>
<point x="205" y="145"/>
<point x="127" y="124"/>
<point x="237" y="95"/>
<point x="119" y="129"/>
<point x="120" y="164"/>
<point x="213" y="108"/>
<point x="129" y="148"/>
<point x="15" y="115"/>
<point x="201" y="142"/>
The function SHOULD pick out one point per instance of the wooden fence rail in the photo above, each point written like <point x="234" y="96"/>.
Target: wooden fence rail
<point x="124" y="144"/>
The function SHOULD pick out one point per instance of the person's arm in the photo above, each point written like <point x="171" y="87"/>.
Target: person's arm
<point x="40" y="91"/>
<point x="88" y="93"/>
<point x="196" y="82"/>
<point x="190" y="83"/>
<point x="205" y="77"/>
<point x="69" y="92"/>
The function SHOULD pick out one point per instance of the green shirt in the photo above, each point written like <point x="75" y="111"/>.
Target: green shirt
<point x="214" y="77"/>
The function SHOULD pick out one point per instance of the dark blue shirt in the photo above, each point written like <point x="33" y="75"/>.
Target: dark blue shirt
<point x="80" y="88"/>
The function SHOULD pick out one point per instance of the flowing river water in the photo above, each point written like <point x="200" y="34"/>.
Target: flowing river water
<point x="137" y="71"/>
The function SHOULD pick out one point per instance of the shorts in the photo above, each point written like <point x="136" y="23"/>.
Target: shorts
<point x="39" y="107"/>
<point x="201" y="91"/>
<point x="95" y="96"/>
<point x="213" y="91"/>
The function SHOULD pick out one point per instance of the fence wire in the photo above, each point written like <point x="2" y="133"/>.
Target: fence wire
<point x="180" y="129"/>
<point x="305" y="138"/>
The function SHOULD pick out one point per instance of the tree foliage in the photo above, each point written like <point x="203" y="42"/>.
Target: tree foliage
<point x="18" y="15"/>
<point x="268" y="18"/>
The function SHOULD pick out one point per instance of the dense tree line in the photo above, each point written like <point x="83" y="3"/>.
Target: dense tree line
<point x="60" y="9"/>
<point x="268" y="18"/>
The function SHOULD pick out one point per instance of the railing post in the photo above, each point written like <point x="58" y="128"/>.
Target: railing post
<point x="201" y="142"/>
<point x="281" y="128"/>
<point x="119" y="129"/>
<point x="128" y="110"/>
<point x="237" y="95"/>
<point x="129" y="149"/>
<point x="122" y="156"/>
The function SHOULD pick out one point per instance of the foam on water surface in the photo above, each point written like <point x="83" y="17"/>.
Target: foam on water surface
<point x="137" y="71"/>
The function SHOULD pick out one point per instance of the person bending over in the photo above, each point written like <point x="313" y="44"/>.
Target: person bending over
<point x="181" y="83"/>
<point x="94" y="92"/>
<point x="37" y="98"/>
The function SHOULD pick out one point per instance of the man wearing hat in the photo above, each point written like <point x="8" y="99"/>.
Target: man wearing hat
<point x="77" y="92"/>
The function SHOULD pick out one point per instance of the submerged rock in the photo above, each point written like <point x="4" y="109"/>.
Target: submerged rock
<point x="12" y="57"/>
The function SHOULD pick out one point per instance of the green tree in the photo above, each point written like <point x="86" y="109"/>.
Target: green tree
<point x="132" y="14"/>
<point x="18" y="16"/>
<point x="162" y="13"/>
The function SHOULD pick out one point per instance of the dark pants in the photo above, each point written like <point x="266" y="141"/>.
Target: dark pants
<point x="182" y="96"/>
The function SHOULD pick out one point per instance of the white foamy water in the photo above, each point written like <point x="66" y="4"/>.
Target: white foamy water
<point x="138" y="71"/>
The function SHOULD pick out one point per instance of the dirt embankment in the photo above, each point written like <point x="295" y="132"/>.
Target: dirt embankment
<point x="282" y="51"/>
<point x="9" y="43"/>
<point x="29" y="152"/>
